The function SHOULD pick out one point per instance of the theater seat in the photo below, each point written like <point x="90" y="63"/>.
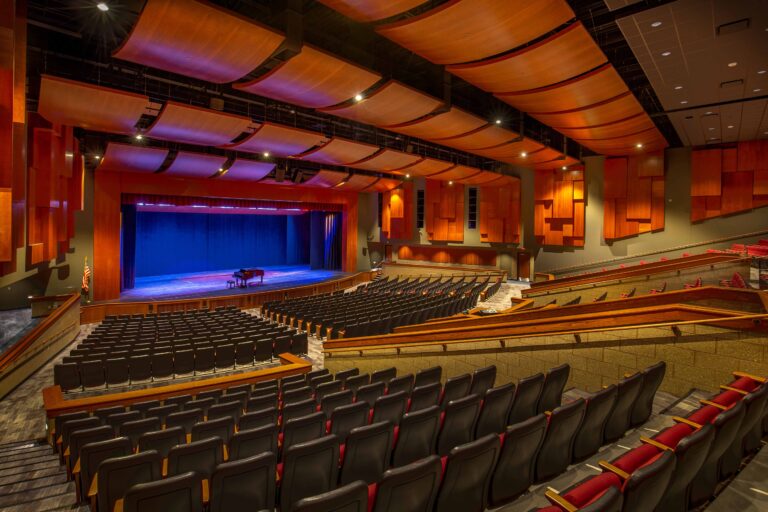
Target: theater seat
<point x="162" y="441"/>
<point x="133" y="430"/>
<point x="643" y="406"/>
<point x="557" y="448"/>
<point x="483" y="379"/>
<point x="119" y="474"/>
<point x="223" y="428"/>
<point x="92" y="374"/>
<point x="424" y="396"/>
<point x="116" y="371"/>
<point x="94" y="453"/>
<point x="67" y="376"/>
<point x="162" y="365"/>
<point x="644" y="489"/>
<point x="180" y="493"/>
<point x="428" y="376"/>
<point x="347" y="417"/>
<point x="356" y="381"/>
<point x="298" y="409"/>
<point x="184" y="419"/>
<point x="455" y="388"/>
<point x="310" y="468"/>
<point x="458" y="424"/>
<point x="410" y="488"/>
<point x="754" y="404"/>
<point x="526" y="401"/>
<point x="690" y="454"/>
<point x="590" y="436"/>
<point x="619" y="419"/>
<point x="247" y="443"/>
<point x="367" y="452"/>
<point x="390" y="407"/>
<point x="515" y="469"/>
<point x="495" y="410"/>
<point x="384" y="375"/>
<point x="370" y="392"/>
<point x="611" y="500"/>
<point x="343" y="375"/>
<point x="327" y="388"/>
<point x="334" y="400"/>
<point x="302" y="429"/>
<point x="227" y="409"/>
<point x="468" y="470"/>
<point x="552" y="390"/>
<point x="352" y="497"/>
<point x="417" y="436"/>
<point x="245" y="484"/>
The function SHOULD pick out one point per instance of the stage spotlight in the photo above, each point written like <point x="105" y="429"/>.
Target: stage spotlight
<point x="102" y="6"/>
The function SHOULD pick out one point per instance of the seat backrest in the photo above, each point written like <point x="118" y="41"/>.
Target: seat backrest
<point x="417" y="436"/>
<point x="352" y="497"/>
<point x="162" y="364"/>
<point x="690" y="454"/>
<point x="303" y="428"/>
<point x="180" y="493"/>
<point x="643" y="405"/>
<point x="334" y="400"/>
<point x="259" y="402"/>
<point x="410" y="488"/>
<point x="343" y="375"/>
<point x="384" y="375"/>
<point x="483" y="379"/>
<point x="495" y="410"/>
<point x="515" y="469"/>
<point x="556" y="451"/>
<point x="618" y="420"/>
<point x="402" y="383"/>
<point x="645" y="487"/>
<point x="227" y="409"/>
<point x="298" y="409"/>
<point x="67" y="376"/>
<point x="244" y="484"/>
<point x="310" y="468"/>
<point x="458" y="424"/>
<point x="526" y="402"/>
<point x="428" y="376"/>
<point x="425" y="396"/>
<point x="258" y="419"/>
<point x="92" y="454"/>
<point x="592" y="430"/>
<point x="143" y="407"/>
<point x="291" y="396"/>
<point x="200" y="456"/>
<point x="346" y="417"/>
<point x="355" y="381"/>
<point x="390" y="407"/>
<point x="367" y="453"/>
<point x="247" y="443"/>
<point x="185" y="419"/>
<point x="134" y="429"/>
<point x="464" y="487"/>
<point x="162" y="411"/>
<point x="554" y="384"/>
<point x="222" y="428"/>
<point x="118" y="474"/>
<point x="81" y="437"/>
<point x="455" y="388"/>
<point x="328" y="388"/>
<point x="611" y="501"/>
<point x="162" y="441"/>
<point x="58" y="421"/>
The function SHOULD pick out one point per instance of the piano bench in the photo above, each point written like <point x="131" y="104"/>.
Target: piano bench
<point x="230" y="284"/>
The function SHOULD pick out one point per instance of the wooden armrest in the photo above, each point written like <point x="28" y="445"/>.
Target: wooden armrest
<point x="226" y="453"/>
<point x="118" y="506"/>
<point x="165" y="468"/>
<point x="735" y="390"/>
<point x="66" y="452"/>
<point x="686" y="421"/>
<point x="189" y="438"/>
<point x="94" y="489"/>
<point x="206" y="491"/>
<point x="548" y="413"/>
<point x="613" y="469"/>
<point x="77" y="467"/>
<point x="653" y="442"/>
<point x="713" y="404"/>
<point x="558" y="500"/>
<point x="750" y="376"/>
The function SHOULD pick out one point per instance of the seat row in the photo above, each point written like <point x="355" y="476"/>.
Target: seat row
<point x="679" y="467"/>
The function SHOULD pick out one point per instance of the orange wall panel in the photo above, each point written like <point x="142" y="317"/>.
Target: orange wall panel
<point x="500" y="213"/>
<point x="6" y="224"/>
<point x="397" y="212"/>
<point x="752" y="155"/>
<point x="615" y="178"/>
<point x="737" y="191"/>
<point x="452" y="255"/>
<point x="444" y="211"/>
<point x="558" y="197"/>
<point x="706" y="165"/>
<point x="761" y="183"/>
<point x="634" y="188"/>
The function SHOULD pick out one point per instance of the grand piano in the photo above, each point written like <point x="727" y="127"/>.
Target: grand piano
<point x="244" y="274"/>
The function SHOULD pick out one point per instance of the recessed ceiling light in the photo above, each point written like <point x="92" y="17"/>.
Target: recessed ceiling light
<point x="266" y="154"/>
<point x="666" y="54"/>
<point x="358" y="97"/>
<point x="69" y="154"/>
<point x="498" y="121"/>
<point x="730" y="126"/>
<point x="639" y="145"/>
<point x="450" y="182"/>
<point x="407" y="175"/>
<point x="102" y="6"/>
<point x="733" y="64"/>
<point x="656" y="24"/>
<point x="711" y="128"/>
<point x="97" y="157"/>
<point x="139" y="136"/>
<point x="565" y="167"/>
<point x="708" y="113"/>
<point x="684" y="102"/>
<point x="761" y="72"/>
<point x="523" y="154"/>
<point x="757" y="90"/>
<point x="678" y="87"/>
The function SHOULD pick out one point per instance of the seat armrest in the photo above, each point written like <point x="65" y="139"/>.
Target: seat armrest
<point x="750" y="376"/>
<point x="735" y="390"/>
<point x="653" y="442"/>
<point x="686" y="421"/>
<point x="713" y="404"/>
<point x="558" y="500"/>
<point x="613" y="469"/>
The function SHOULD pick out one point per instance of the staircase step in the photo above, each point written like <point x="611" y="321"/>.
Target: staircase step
<point x="62" y="492"/>
<point x="29" y="475"/>
<point x="33" y="459"/>
<point x="31" y="484"/>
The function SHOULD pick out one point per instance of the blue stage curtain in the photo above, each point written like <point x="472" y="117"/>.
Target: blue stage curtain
<point x="174" y="243"/>
<point x="128" y="244"/>
<point x="297" y="239"/>
<point x="332" y="242"/>
<point x="317" y="240"/>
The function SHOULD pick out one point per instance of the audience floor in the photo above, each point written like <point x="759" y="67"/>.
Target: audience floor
<point x="214" y="283"/>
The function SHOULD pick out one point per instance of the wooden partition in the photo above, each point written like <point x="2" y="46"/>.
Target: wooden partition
<point x="444" y="211"/>
<point x="451" y="255"/>
<point x="500" y="212"/>
<point x="397" y="213"/>
<point x="633" y="195"/>
<point x="560" y="197"/>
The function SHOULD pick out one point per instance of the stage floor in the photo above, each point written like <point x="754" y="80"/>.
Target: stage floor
<point x="214" y="283"/>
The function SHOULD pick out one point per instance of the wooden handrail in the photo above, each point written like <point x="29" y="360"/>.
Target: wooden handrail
<point x="56" y="404"/>
<point x="10" y="356"/>
<point x="739" y="321"/>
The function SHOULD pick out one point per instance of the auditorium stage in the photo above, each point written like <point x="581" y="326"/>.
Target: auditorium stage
<point x="214" y="283"/>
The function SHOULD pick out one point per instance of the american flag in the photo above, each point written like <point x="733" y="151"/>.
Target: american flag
<point x="86" y="276"/>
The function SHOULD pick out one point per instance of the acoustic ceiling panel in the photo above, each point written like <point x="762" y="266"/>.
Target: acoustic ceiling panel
<point x="559" y="207"/>
<point x="564" y="55"/>
<point x="387" y="160"/>
<point x="383" y="185"/>
<point x="637" y="123"/>
<point x="593" y="87"/>
<point x="558" y="162"/>
<point x="391" y="104"/>
<point x="325" y="179"/>
<point x="649" y="140"/>
<point x="489" y="136"/>
<point x="458" y="172"/>
<point x="278" y="140"/>
<point x="339" y="152"/>
<point x="427" y="167"/>
<point x="195" y="165"/>
<point x="198" y="39"/>
<point x="441" y="126"/>
<point x="371" y="10"/>
<point x="89" y="106"/>
<point x="195" y="125"/>
<point x="511" y="150"/>
<point x="468" y="30"/>
<point x="356" y="183"/>
<point x="312" y="79"/>
<point x="483" y="178"/>
<point x="717" y="124"/>
<point x="247" y="170"/>
<point x="130" y="158"/>
<point x="615" y="109"/>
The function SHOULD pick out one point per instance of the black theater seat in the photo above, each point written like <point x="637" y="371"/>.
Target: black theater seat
<point x="390" y="407"/>
<point x="352" y="497"/>
<point x="161" y="441"/>
<point x="346" y="417"/>
<point x="619" y="419"/>
<point x="133" y="430"/>
<point x="552" y="391"/>
<point x="754" y="404"/>
<point x="367" y="452"/>
<point x="250" y="442"/>
<point x="92" y="374"/>
<point x="258" y="418"/>
<point x="410" y="488"/>
<point x="590" y="436"/>
<point x="483" y="379"/>
<point x="690" y="454"/>
<point x="515" y="469"/>
<point x="526" y="401"/>
<point x="245" y="484"/>
<point x="369" y="393"/>
<point x="643" y="405"/>
<point x="428" y="376"/>
<point x="458" y="424"/>
<point x="326" y="388"/>
<point x="495" y="410"/>
<point x="417" y="436"/>
<point x="184" y="419"/>
<point x="116" y="371"/>
<point x="162" y="365"/>
<point x="455" y="388"/>
<point x="309" y="469"/>
<point x="302" y="429"/>
<point x="645" y="487"/>
<point x="464" y="487"/>
<point x="67" y="376"/>
<point x="202" y="457"/>
<point x="223" y="428"/>
<point x="117" y="475"/>
<point x="94" y="453"/>
<point x="334" y="400"/>
<point x="556" y="451"/>
<point x="180" y="493"/>
<point x="425" y="396"/>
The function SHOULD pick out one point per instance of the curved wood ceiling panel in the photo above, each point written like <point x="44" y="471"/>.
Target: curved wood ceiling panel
<point x="467" y="30"/>
<point x="459" y="172"/>
<point x="199" y="40"/>
<point x="89" y="106"/>
<point x="511" y="150"/>
<point x="247" y="170"/>
<point x="596" y="86"/>
<point x="453" y="123"/>
<point x="634" y="124"/>
<point x="562" y="56"/>
<point x="278" y="140"/>
<point x="484" y="178"/>
<point x="325" y="179"/>
<point x="393" y="103"/>
<point x="339" y="152"/>
<point x="371" y="10"/>
<point x="383" y="185"/>
<point x="650" y="139"/>
<point x="387" y="160"/>
<point x="427" y="167"/>
<point x="356" y="183"/>
<point x="195" y="125"/>
<point x="195" y="165"/>
<point x="487" y="137"/>
<point x="556" y="164"/>
<point x="130" y="158"/>
<point x="615" y="109"/>
<point x="312" y="79"/>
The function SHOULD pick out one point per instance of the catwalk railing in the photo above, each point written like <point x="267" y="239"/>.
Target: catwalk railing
<point x="96" y="312"/>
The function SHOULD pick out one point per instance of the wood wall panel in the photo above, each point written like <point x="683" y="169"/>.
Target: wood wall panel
<point x="500" y="213"/>
<point x="444" y="211"/>
<point x="634" y="195"/>
<point x="397" y="213"/>
<point x="559" y="202"/>
<point x="454" y="255"/>
<point x="6" y="224"/>
<point x="729" y="180"/>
